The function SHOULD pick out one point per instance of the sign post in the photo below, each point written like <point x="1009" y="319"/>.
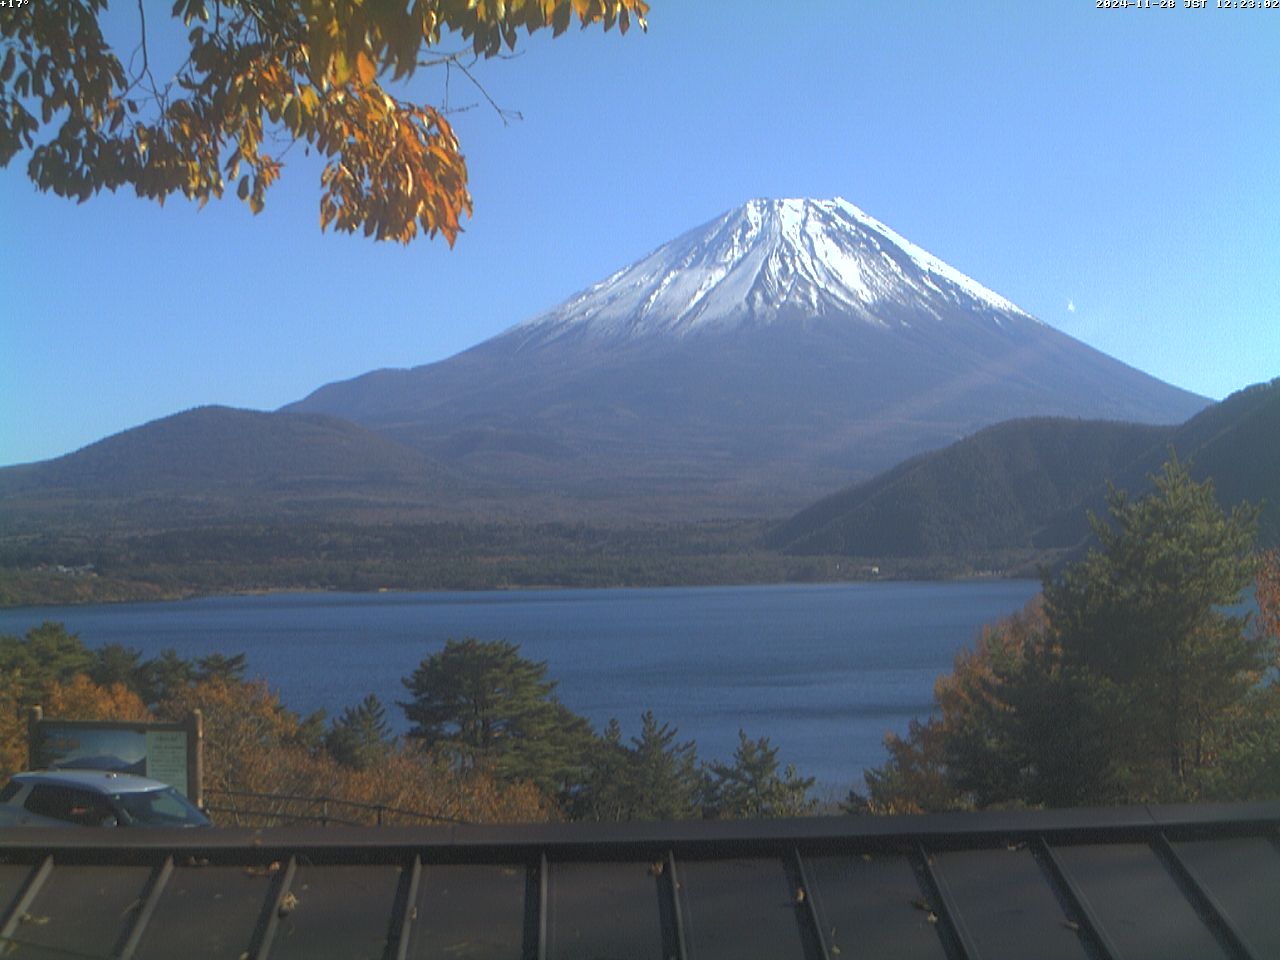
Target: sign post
<point x="172" y="753"/>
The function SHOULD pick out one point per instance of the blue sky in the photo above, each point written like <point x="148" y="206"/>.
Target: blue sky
<point x="1114" y="172"/>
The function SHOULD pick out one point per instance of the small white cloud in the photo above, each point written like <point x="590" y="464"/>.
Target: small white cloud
<point x="1071" y="306"/>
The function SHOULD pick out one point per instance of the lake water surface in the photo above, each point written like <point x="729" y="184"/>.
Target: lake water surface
<point x="822" y="670"/>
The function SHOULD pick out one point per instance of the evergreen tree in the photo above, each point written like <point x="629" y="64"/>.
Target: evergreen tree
<point x="361" y="737"/>
<point x="605" y="793"/>
<point x="1147" y="638"/>
<point x="751" y="786"/>
<point x="1250" y="763"/>
<point x="115" y="663"/>
<point x="486" y="706"/>
<point x="663" y="777"/>
<point x="1138" y="680"/>
<point x="655" y="778"/>
<point x="45" y="655"/>
<point x="163" y="677"/>
<point x="220" y="669"/>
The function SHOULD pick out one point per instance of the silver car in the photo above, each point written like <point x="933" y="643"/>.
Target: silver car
<point x="94" y="798"/>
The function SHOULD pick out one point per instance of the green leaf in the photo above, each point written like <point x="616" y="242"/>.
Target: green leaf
<point x="341" y="68"/>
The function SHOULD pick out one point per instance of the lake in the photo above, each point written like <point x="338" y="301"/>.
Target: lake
<point x="822" y="670"/>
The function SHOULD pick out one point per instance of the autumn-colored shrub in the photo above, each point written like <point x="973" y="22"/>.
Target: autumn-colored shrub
<point x="13" y="731"/>
<point x="253" y="744"/>
<point x="412" y="779"/>
<point x="82" y="699"/>
<point x="247" y="732"/>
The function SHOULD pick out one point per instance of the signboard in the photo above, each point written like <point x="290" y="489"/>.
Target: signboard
<point x="169" y="752"/>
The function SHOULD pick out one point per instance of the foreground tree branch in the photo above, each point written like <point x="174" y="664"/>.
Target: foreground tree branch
<point x="305" y="70"/>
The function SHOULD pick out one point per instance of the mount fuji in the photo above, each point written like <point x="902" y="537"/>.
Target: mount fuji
<point x="783" y="350"/>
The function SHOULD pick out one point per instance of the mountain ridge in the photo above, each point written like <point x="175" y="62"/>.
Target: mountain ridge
<point x="688" y="396"/>
<point x="990" y="491"/>
<point x="86" y="544"/>
<point x="1030" y="485"/>
<point x="1234" y="442"/>
<point x="221" y="461"/>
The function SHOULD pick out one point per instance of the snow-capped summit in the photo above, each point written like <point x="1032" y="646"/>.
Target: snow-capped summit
<point x="771" y="259"/>
<point x="777" y="353"/>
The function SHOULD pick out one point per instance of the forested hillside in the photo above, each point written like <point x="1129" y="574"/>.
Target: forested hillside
<point x="1030" y="484"/>
<point x="1236" y="443"/>
<point x="991" y="491"/>
<point x="211" y="464"/>
<point x="316" y="503"/>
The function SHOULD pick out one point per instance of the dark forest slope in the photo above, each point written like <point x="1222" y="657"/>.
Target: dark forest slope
<point x="1235" y="442"/>
<point x="1030" y="484"/>
<point x="218" y="461"/>
<point x="993" y="490"/>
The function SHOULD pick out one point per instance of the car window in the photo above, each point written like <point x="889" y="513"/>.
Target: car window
<point x="65" y="803"/>
<point x="10" y="791"/>
<point x="159" y="808"/>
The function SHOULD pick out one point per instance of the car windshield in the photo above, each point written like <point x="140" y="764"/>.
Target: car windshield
<point x="159" y="808"/>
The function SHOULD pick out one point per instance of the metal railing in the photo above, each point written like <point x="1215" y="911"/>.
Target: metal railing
<point x="246" y="808"/>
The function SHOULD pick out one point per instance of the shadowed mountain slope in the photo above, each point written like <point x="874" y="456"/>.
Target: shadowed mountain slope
<point x="1235" y="442"/>
<point x="220" y="461"/>
<point x="746" y="367"/>
<point x="738" y="372"/>
<point x="1030" y="483"/>
<point x="991" y="491"/>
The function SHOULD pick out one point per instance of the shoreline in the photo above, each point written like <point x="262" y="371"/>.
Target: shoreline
<point x="148" y="597"/>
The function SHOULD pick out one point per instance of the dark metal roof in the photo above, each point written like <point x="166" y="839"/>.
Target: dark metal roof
<point x="1138" y="882"/>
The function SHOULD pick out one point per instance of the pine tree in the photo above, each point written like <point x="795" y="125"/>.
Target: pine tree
<point x="1138" y="680"/>
<point x="116" y="663"/>
<point x="662" y="775"/>
<point x="486" y="706"/>
<point x="751" y="786"/>
<point x="655" y="778"/>
<point x="45" y="655"/>
<point x="220" y="668"/>
<point x="1145" y="629"/>
<point x="163" y="677"/>
<point x="361" y="737"/>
